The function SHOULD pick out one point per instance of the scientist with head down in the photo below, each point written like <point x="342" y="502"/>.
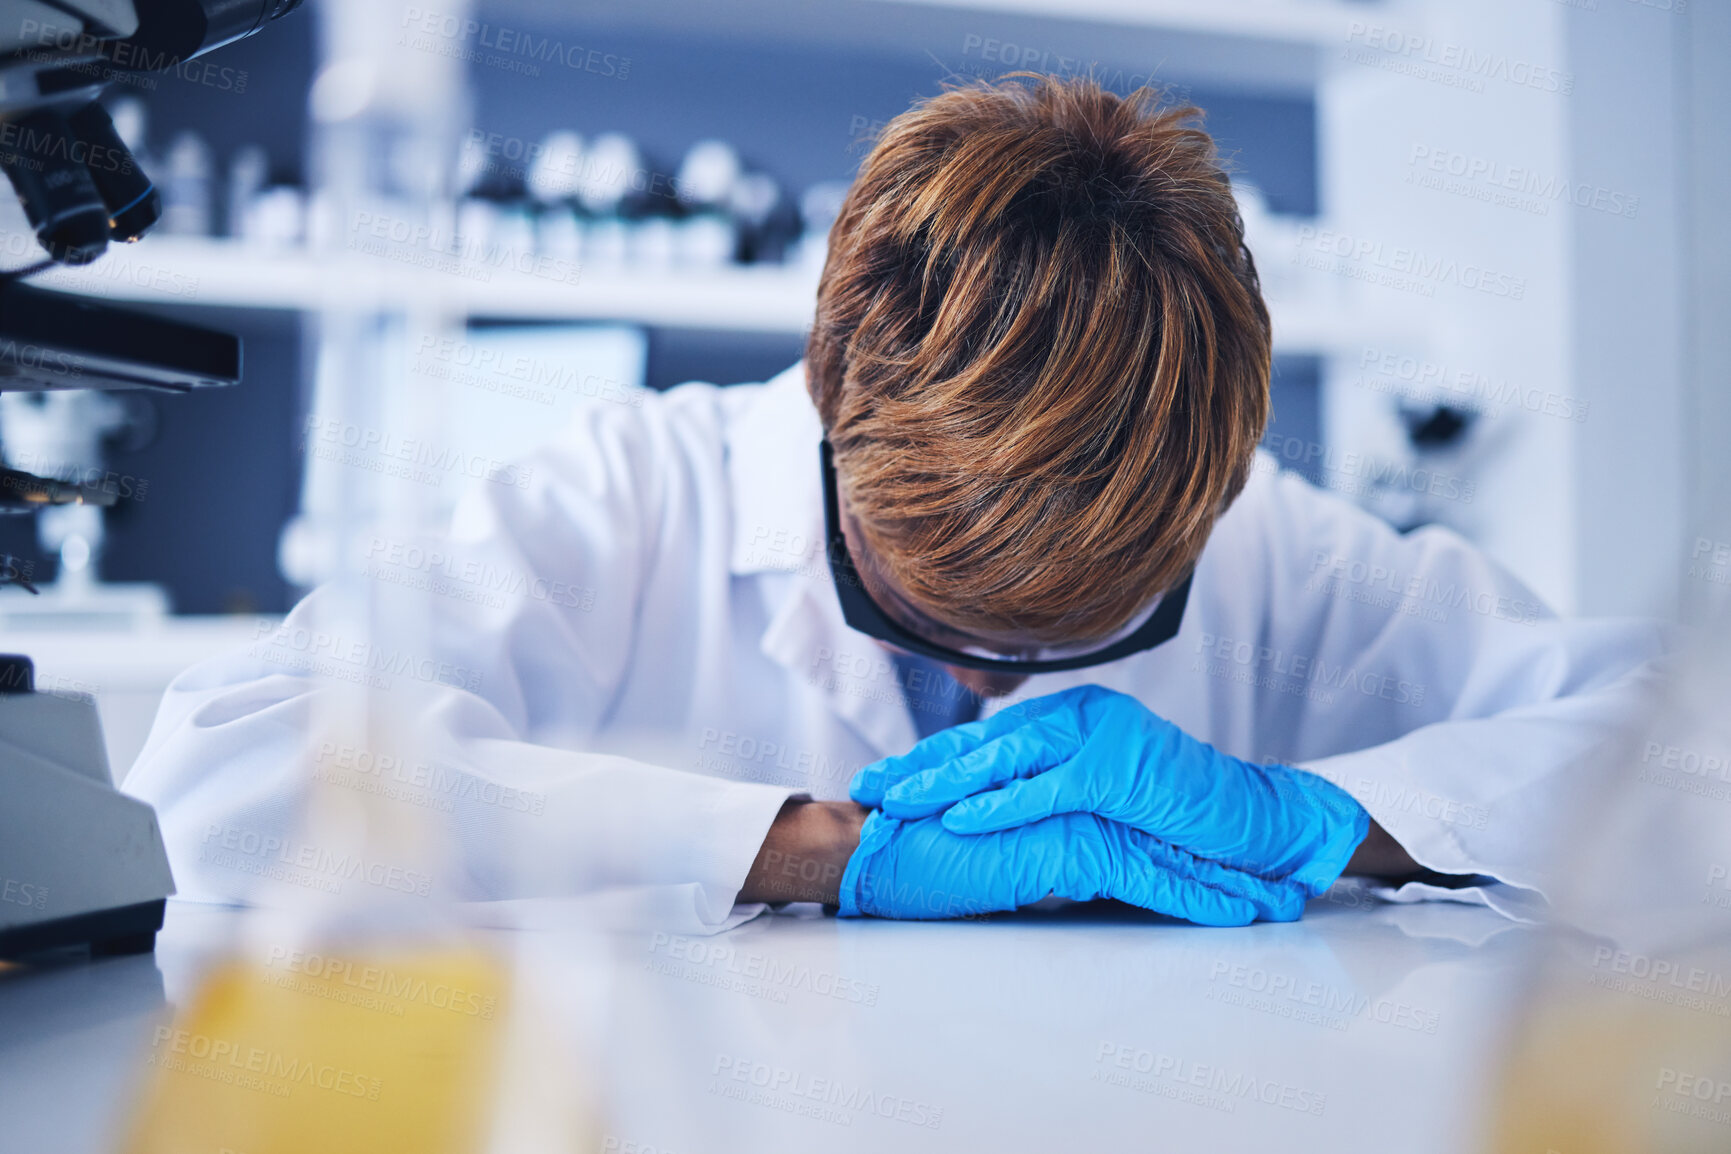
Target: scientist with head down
<point x="991" y="599"/>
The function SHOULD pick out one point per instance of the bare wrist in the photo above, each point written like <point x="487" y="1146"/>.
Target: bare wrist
<point x="805" y="853"/>
<point x="1380" y="856"/>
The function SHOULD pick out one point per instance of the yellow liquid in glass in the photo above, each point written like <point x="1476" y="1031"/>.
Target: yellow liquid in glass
<point x="1607" y="1074"/>
<point x="394" y="1052"/>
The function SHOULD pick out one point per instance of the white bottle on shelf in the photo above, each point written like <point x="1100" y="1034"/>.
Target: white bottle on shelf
<point x="248" y="173"/>
<point x="186" y="199"/>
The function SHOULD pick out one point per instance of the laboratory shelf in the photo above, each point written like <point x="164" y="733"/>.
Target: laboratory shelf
<point x="186" y="271"/>
<point x="179" y="270"/>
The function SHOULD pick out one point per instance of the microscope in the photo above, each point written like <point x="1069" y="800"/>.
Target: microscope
<point x="81" y="864"/>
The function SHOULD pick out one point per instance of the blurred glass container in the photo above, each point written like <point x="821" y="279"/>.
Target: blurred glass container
<point x="559" y="234"/>
<point x="611" y="168"/>
<point x="819" y="206"/>
<point x="653" y="243"/>
<point x="605" y="243"/>
<point x="705" y="241"/>
<point x="186" y="199"/>
<point x="362" y="1013"/>
<point x="248" y="173"/>
<point x="513" y="246"/>
<point x="553" y="175"/>
<point x="1623" y="1041"/>
<point x="477" y="225"/>
<point x="708" y="175"/>
<point x="766" y="223"/>
<point x="276" y="218"/>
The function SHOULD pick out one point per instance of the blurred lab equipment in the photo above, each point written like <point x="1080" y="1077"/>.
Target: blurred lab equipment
<point x="818" y="208"/>
<point x="60" y="433"/>
<point x="593" y="200"/>
<point x="84" y="865"/>
<point x="186" y="187"/>
<point x="248" y="173"/>
<point x="82" y="862"/>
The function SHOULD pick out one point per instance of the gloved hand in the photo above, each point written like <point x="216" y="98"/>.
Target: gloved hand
<point x="1090" y="750"/>
<point x="919" y="869"/>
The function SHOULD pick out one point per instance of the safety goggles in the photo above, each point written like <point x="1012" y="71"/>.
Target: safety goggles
<point x="865" y="615"/>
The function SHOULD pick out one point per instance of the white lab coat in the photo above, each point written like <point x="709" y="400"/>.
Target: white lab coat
<point x="630" y="719"/>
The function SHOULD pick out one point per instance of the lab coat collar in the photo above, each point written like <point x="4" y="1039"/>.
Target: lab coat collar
<point x="853" y="672"/>
<point x="777" y="505"/>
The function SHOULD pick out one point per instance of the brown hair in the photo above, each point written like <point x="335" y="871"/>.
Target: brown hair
<point x="1040" y="354"/>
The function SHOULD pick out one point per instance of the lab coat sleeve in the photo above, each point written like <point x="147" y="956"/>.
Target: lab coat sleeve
<point x="1459" y="709"/>
<point x="529" y="612"/>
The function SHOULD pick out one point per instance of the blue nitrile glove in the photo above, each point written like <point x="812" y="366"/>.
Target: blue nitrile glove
<point x="1090" y="750"/>
<point x="919" y="869"/>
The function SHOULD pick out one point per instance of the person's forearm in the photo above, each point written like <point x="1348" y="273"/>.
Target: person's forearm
<point x="805" y="853"/>
<point x="1380" y="856"/>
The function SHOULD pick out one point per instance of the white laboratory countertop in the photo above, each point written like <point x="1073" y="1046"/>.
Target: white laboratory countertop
<point x="1364" y="1027"/>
